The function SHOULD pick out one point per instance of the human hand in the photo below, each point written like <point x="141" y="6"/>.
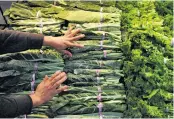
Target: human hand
<point x="66" y="41"/>
<point x="48" y="88"/>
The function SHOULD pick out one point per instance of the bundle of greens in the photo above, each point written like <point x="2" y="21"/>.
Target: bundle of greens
<point x="108" y="6"/>
<point x="97" y="55"/>
<point x="92" y="71"/>
<point x="96" y="65"/>
<point x="89" y="80"/>
<point x="17" y="69"/>
<point x="82" y="101"/>
<point x="50" y="19"/>
<point x="112" y="36"/>
<point x="92" y="116"/>
<point x="93" y="64"/>
<point x="23" y="11"/>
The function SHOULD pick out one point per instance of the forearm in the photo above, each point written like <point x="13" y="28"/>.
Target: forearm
<point x="36" y="101"/>
<point x="47" y="40"/>
<point x="15" y="105"/>
<point x="13" y="41"/>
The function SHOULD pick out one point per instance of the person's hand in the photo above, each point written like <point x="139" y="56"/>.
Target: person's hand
<point x="66" y="41"/>
<point x="48" y="88"/>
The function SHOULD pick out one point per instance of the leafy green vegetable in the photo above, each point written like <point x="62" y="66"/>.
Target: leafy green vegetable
<point x="17" y="69"/>
<point x="148" y="53"/>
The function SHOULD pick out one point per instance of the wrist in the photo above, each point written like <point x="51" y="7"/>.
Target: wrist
<point x="47" y="40"/>
<point x="36" y="100"/>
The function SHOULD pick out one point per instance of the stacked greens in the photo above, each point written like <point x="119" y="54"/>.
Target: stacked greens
<point x="31" y="15"/>
<point x="148" y="66"/>
<point x="16" y="69"/>
<point x="147" y="70"/>
<point x="94" y="69"/>
<point x="97" y="65"/>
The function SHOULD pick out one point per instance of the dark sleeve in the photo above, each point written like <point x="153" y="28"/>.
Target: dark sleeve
<point x="14" y="41"/>
<point x="13" y="106"/>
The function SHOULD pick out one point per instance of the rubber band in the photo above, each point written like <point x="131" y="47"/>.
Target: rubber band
<point x="105" y="53"/>
<point x="41" y="30"/>
<point x="32" y="86"/>
<point x="38" y="14"/>
<point x="41" y="51"/>
<point x="25" y="116"/>
<point x="41" y="23"/>
<point x="97" y="72"/>
<point x="101" y="14"/>
<point x="101" y="2"/>
<point x="101" y="44"/>
<point x="34" y="77"/>
<point x="103" y="36"/>
<point x="35" y="66"/>
<point x="99" y="97"/>
<point x="98" y="80"/>
<point x="100" y="26"/>
<point x="33" y="82"/>
<point x="100" y="115"/>
<point x="100" y="106"/>
<point x="41" y="26"/>
<point x="55" y="2"/>
<point x="101" y="63"/>
<point x="99" y="90"/>
<point x="101" y="19"/>
<point x="101" y="9"/>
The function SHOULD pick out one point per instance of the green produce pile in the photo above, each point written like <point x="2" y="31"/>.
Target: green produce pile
<point x="129" y="71"/>
<point x="148" y="67"/>
<point x="31" y="15"/>
<point x="16" y="69"/>
<point x="94" y="72"/>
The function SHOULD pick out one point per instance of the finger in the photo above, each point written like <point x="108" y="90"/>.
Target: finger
<point x="54" y="75"/>
<point x="74" y="32"/>
<point x="68" y="31"/>
<point x="59" y="82"/>
<point x="77" y="37"/>
<point x="45" y="78"/>
<point x="66" y="52"/>
<point x="69" y="44"/>
<point x="64" y="88"/>
<point x="57" y="78"/>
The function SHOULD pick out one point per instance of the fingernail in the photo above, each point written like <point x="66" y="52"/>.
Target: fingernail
<point x="65" y="90"/>
<point x="82" y="35"/>
<point x="82" y="45"/>
<point x="58" y="71"/>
